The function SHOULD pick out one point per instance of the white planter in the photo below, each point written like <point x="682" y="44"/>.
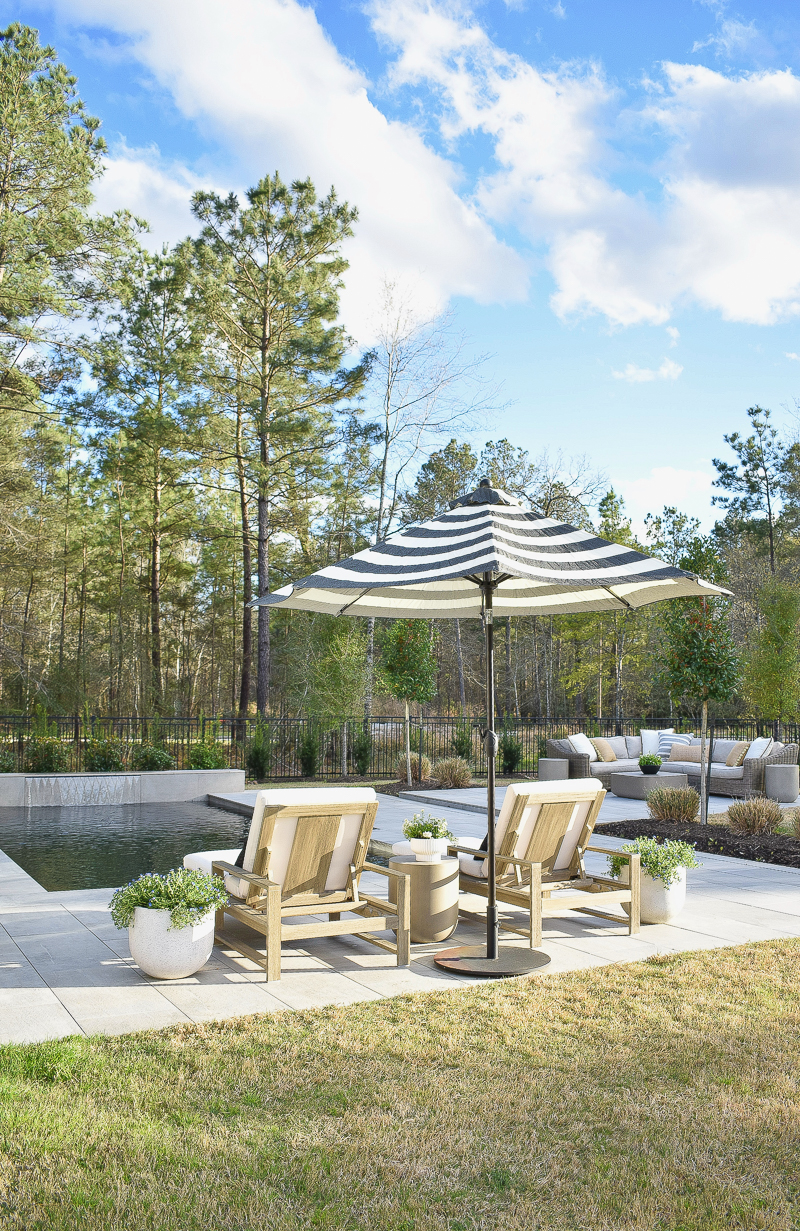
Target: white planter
<point x="165" y="953"/>
<point x="429" y="850"/>
<point x="659" y="904"/>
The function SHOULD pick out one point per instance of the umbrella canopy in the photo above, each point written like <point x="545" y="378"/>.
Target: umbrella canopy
<point x="538" y="567"/>
<point x="489" y="556"/>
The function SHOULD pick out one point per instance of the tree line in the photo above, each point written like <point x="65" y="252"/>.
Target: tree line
<point x="184" y="429"/>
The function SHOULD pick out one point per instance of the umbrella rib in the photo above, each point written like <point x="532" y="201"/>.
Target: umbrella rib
<point x="342" y="610"/>
<point x="619" y="598"/>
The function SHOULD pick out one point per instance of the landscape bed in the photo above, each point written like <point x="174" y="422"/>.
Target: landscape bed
<point x="714" y="839"/>
<point x="655" y="1095"/>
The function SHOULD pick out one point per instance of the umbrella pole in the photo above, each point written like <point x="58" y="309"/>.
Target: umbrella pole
<point x="491" y="961"/>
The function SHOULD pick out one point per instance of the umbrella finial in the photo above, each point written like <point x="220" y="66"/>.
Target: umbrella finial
<point x="484" y="483"/>
<point x="485" y="494"/>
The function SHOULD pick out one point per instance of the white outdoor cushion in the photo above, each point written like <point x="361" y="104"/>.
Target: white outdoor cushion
<point x="585" y="791"/>
<point x="618" y="746"/>
<point x="613" y="767"/>
<point x="201" y="861"/>
<point x="726" y="771"/>
<point x="650" y="740"/>
<point x="402" y="848"/>
<point x="721" y="750"/>
<point x="283" y="836"/>
<point x="583" y="745"/>
<point x="680" y="767"/>
<point x="759" y="748"/>
<point x="634" y="746"/>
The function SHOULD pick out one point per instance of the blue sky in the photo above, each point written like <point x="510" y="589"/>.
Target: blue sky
<point x="606" y="192"/>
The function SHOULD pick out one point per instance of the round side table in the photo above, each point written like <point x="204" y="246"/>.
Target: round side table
<point x="782" y="782"/>
<point x="434" y="896"/>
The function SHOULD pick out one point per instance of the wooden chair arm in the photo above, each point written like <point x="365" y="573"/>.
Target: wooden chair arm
<point x="603" y="850"/>
<point x="390" y="908"/>
<point x="477" y="854"/>
<point x="376" y="867"/>
<point x="263" y="881"/>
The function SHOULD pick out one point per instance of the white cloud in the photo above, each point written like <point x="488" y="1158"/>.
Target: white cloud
<point x="688" y="490"/>
<point x="158" y="191"/>
<point x="791" y="355"/>
<point x="271" y="86"/>
<point x="674" y="334"/>
<point x="726" y="232"/>
<point x="733" y="38"/>
<point x="669" y="370"/>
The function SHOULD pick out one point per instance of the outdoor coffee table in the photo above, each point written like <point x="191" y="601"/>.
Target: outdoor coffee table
<point x="636" y="785"/>
<point x="434" y="896"/>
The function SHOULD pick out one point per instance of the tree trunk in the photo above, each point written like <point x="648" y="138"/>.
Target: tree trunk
<point x="156" y="682"/>
<point x="247" y="590"/>
<point x="408" y="747"/>
<point x="262" y="696"/>
<point x="460" y="655"/>
<point x="370" y="667"/>
<point x="508" y="689"/>
<point x="703" y="776"/>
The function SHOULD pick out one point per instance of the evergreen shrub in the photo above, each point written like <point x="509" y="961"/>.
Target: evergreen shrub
<point x="152" y="756"/>
<point x="104" y="755"/>
<point x="308" y="754"/>
<point x="361" y="748"/>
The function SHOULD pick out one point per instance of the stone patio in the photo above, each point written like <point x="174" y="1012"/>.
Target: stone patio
<point x="65" y="969"/>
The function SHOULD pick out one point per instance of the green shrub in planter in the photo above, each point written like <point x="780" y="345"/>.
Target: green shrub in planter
<point x="152" y="756"/>
<point x="649" y="758"/>
<point x="187" y="895"/>
<point x="207" y="756"/>
<point x="362" y="752"/>
<point x="510" y="753"/>
<point x="45" y="754"/>
<point x="104" y="756"/>
<point x="8" y="760"/>
<point x="308" y="754"/>
<point x="661" y="860"/>
<point x="258" y="757"/>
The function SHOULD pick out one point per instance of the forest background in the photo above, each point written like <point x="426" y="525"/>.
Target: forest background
<point x="182" y="431"/>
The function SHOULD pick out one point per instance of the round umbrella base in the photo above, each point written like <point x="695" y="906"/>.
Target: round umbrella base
<point x="509" y="963"/>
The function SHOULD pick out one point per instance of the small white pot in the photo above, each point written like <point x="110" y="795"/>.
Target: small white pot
<point x="169" y="953"/>
<point x="429" y="850"/>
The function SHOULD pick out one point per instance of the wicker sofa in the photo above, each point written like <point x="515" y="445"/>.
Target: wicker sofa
<point x="737" y="781"/>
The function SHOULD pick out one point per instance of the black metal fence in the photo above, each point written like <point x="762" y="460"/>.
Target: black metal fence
<point x="297" y="745"/>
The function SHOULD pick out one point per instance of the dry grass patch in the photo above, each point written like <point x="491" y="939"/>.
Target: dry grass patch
<point x="661" y="1095"/>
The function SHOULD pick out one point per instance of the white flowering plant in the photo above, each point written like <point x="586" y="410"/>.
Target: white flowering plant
<point x="421" y="827"/>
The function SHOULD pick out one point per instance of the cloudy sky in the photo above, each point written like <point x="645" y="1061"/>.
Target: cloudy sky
<point x="607" y="192"/>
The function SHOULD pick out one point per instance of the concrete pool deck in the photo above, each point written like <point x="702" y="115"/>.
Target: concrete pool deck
<point x="65" y="969"/>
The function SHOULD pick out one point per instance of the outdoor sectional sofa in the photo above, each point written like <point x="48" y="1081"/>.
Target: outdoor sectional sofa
<point x="739" y="781"/>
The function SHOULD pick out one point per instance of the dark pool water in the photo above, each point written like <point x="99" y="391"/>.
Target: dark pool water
<point x="102" y="847"/>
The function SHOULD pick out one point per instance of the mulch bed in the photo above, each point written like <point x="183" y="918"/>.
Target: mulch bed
<point x="714" y="839"/>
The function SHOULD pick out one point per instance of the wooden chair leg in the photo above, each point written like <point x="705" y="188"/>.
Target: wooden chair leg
<point x="403" y="933"/>
<point x="636" y="884"/>
<point x="536" y="906"/>
<point x="334" y="915"/>
<point x="273" y="934"/>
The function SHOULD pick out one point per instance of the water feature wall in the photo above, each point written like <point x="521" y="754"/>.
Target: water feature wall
<point x="77" y="790"/>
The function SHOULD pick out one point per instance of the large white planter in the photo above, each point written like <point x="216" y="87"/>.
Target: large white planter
<point x="429" y="850"/>
<point x="169" y="953"/>
<point x="659" y="903"/>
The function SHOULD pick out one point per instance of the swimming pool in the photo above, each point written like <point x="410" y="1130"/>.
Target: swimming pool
<point x="102" y="847"/>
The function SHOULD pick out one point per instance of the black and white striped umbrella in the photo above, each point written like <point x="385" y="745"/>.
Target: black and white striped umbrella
<point x="538" y="567"/>
<point x="489" y="556"/>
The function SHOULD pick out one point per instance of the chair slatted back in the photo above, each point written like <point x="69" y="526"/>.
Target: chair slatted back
<point x="317" y="842"/>
<point x="545" y="839"/>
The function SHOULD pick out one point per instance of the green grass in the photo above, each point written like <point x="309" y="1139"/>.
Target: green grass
<point x="660" y="1095"/>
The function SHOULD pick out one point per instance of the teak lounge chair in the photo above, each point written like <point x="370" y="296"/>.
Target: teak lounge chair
<point x="542" y="835"/>
<point x="305" y="853"/>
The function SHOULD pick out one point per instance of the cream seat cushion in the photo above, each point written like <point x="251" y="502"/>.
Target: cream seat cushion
<point x="285" y="828"/>
<point x="584" y="791"/>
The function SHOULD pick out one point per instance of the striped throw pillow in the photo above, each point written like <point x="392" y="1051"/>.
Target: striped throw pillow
<point x="666" y="741"/>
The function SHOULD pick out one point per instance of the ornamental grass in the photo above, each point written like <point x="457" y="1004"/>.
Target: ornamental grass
<point x="669" y="803"/>
<point x="754" y="816"/>
<point x="453" y="772"/>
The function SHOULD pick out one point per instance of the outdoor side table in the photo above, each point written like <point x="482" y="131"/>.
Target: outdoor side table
<point x="553" y="769"/>
<point x="434" y="896"/>
<point x="633" y="785"/>
<point x="782" y="783"/>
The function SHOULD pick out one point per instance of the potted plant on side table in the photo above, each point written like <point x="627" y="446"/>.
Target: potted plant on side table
<point x="650" y="763"/>
<point x="170" y="920"/>
<point x="663" y="880"/>
<point x="428" y="838"/>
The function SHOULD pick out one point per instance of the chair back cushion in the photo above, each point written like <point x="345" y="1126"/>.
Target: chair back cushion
<point x="667" y="739"/>
<point x="759" y="748"/>
<point x="633" y="744"/>
<point x="650" y="740"/>
<point x="305" y="843"/>
<point x="546" y="819"/>
<point x="603" y="748"/>
<point x="583" y="745"/>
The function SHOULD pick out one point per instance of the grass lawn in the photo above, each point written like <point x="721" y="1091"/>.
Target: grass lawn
<point x="655" y="1095"/>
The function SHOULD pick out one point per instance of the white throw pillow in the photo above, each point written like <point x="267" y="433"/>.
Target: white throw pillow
<point x="759" y="748"/>
<point x="650" y="741"/>
<point x="582" y="744"/>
